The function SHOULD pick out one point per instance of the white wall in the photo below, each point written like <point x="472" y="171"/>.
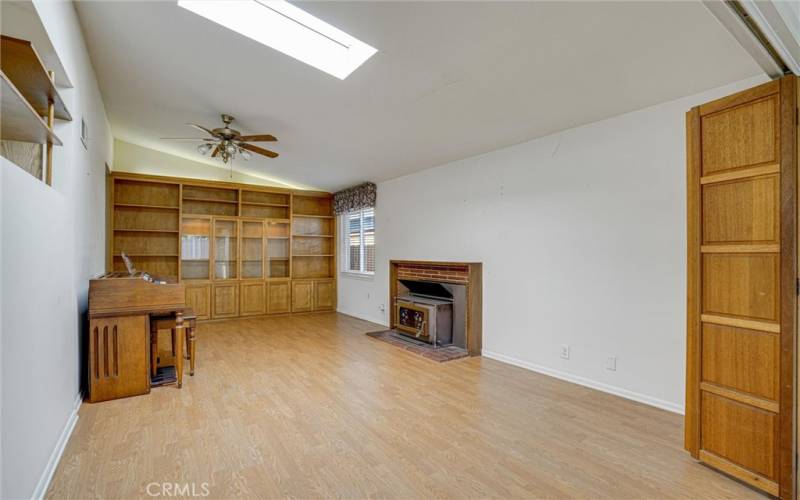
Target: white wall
<point x="582" y="238"/>
<point x="53" y="242"/>
<point x="136" y="159"/>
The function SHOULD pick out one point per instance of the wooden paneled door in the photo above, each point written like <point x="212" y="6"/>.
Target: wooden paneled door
<point x="742" y="279"/>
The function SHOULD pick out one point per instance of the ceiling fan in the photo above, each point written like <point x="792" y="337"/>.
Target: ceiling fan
<point x="226" y="142"/>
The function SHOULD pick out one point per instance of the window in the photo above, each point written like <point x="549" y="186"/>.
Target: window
<point x="359" y="241"/>
<point x="288" y="29"/>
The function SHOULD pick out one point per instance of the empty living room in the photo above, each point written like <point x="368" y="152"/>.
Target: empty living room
<point x="399" y="249"/>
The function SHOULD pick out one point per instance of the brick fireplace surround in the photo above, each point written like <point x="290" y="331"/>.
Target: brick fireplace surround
<point x="451" y="273"/>
<point x="469" y="274"/>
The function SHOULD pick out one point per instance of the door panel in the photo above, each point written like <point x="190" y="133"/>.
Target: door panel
<point x="742" y="211"/>
<point x="741" y="136"/>
<point x="324" y="295"/>
<point x="198" y="297"/>
<point x="279" y="297"/>
<point x="740" y="433"/>
<point x="225" y="300"/>
<point x="253" y="301"/>
<point x="742" y="274"/>
<point x="726" y="349"/>
<point x="741" y="285"/>
<point x="302" y="296"/>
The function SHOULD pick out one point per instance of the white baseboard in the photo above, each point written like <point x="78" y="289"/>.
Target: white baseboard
<point x="55" y="457"/>
<point x="379" y="321"/>
<point x="575" y="379"/>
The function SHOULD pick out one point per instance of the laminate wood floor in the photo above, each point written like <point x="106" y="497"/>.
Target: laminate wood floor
<point x="310" y="407"/>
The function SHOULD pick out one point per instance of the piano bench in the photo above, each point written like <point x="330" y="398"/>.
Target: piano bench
<point x="168" y="323"/>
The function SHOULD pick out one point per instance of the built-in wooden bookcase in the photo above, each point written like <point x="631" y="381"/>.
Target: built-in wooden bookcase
<point x="147" y="226"/>
<point x="313" y="245"/>
<point x="241" y="250"/>
<point x="196" y="248"/>
<point x="210" y="201"/>
<point x="265" y="205"/>
<point x="278" y="249"/>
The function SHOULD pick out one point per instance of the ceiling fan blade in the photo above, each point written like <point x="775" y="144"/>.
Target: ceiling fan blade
<point x="256" y="149"/>
<point x="257" y="138"/>
<point x="188" y="139"/>
<point x="200" y="127"/>
<point x="216" y="151"/>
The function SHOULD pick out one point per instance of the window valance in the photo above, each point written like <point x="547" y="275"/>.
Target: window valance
<point x="355" y="198"/>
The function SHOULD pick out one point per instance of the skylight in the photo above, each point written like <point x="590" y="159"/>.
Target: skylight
<point x="288" y="29"/>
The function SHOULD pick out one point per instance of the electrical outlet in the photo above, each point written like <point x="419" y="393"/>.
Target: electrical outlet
<point x="382" y="307"/>
<point x="565" y="351"/>
<point x="611" y="363"/>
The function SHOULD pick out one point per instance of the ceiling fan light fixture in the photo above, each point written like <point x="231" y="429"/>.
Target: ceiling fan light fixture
<point x="245" y="154"/>
<point x="203" y="149"/>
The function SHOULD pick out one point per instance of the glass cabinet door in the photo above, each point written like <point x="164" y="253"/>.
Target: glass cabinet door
<point x="277" y="250"/>
<point x="195" y="248"/>
<point x="252" y="249"/>
<point x="226" y="249"/>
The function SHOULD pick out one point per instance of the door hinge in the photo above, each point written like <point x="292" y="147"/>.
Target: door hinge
<point x="797" y="287"/>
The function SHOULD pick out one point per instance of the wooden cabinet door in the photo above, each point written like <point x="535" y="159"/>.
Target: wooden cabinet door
<point x="252" y="295"/>
<point x="742" y="274"/>
<point x="279" y="297"/>
<point x="324" y="295"/>
<point x="198" y="297"/>
<point x="225" y="300"/>
<point x="118" y="357"/>
<point x="302" y="296"/>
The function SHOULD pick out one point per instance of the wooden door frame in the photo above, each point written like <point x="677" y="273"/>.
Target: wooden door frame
<point x="788" y="148"/>
<point x="787" y="466"/>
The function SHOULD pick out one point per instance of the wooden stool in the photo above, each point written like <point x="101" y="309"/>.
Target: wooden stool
<point x="187" y="319"/>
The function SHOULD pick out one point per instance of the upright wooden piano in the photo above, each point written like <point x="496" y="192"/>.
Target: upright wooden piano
<point x="120" y="305"/>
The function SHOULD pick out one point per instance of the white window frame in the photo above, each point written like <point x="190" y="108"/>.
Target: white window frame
<point x="345" y="244"/>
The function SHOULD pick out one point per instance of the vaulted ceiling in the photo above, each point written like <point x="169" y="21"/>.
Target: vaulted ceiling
<point x="450" y="80"/>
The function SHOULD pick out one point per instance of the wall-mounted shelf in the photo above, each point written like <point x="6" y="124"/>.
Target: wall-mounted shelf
<point x="22" y="65"/>
<point x="20" y="121"/>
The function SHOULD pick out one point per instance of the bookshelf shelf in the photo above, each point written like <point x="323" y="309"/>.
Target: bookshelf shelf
<point x="137" y="205"/>
<point x="312" y="216"/>
<point x="20" y="121"/>
<point x="130" y="230"/>
<point x="21" y="64"/>
<point x="264" y="204"/>
<point x="209" y="200"/>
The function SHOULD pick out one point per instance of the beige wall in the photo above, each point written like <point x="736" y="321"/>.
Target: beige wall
<point x="140" y="160"/>
<point x="53" y="242"/>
